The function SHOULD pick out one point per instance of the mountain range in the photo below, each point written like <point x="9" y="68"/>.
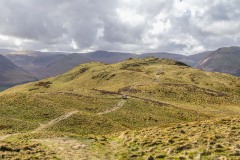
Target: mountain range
<point x="225" y="60"/>
<point x="10" y="74"/>
<point x="35" y="62"/>
<point x="47" y="64"/>
<point x="146" y="108"/>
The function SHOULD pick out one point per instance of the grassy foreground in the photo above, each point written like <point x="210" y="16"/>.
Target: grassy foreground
<point x="212" y="139"/>
<point x="120" y="111"/>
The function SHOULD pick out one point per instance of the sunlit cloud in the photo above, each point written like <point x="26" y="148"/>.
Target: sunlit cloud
<point x="181" y="26"/>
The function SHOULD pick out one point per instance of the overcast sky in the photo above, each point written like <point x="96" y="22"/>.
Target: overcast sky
<point x="179" y="26"/>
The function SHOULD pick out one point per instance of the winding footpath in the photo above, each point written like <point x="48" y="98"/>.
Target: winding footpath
<point x="54" y="121"/>
<point x="114" y="108"/>
<point x="43" y="126"/>
<point x="3" y="137"/>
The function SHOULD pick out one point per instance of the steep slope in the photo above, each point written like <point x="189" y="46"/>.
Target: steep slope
<point x="10" y="74"/>
<point x="35" y="62"/>
<point x="66" y="64"/>
<point x="192" y="60"/>
<point x="225" y="60"/>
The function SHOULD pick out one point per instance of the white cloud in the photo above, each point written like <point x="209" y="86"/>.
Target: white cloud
<point x="74" y="44"/>
<point x="185" y="26"/>
<point x="130" y="17"/>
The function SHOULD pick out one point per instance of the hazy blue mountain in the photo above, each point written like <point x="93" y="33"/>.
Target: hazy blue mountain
<point x="11" y="74"/>
<point x="225" y="60"/>
<point x="192" y="60"/>
<point x="72" y="60"/>
<point x="35" y="62"/>
<point x="47" y="64"/>
<point x="5" y="51"/>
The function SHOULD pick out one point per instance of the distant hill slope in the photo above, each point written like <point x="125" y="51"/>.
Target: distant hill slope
<point x="47" y="64"/>
<point x="66" y="64"/>
<point x="225" y="60"/>
<point x="5" y="51"/>
<point x="192" y="60"/>
<point x="35" y="62"/>
<point x="72" y="60"/>
<point x="10" y="74"/>
<point x="108" y="57"/>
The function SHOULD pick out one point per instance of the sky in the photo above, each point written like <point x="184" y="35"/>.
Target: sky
<point x="137" y="26"/>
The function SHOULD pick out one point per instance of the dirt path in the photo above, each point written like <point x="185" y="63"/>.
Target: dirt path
<point x="3" y="137"/>
<point x="54" y="121"/>
<point x="114" y="108"/>
<point x="42" y="126"/>
<point x="71" y="149"/>
<point x="148" y="100"/>
<point x="66" y="148"/>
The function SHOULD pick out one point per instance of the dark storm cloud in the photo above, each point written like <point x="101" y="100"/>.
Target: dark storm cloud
<point x="137" y="26"/>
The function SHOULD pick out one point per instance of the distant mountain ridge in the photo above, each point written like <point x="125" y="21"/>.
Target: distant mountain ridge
<point x="10" y="74"/>
<point x="5" y="51"/>
<point x="35" y="62"/>
<point x="72" y="60"/>
<point x="225" y="60"/>
<point x="47" y="64"/>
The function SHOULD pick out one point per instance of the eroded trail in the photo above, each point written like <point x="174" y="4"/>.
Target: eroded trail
<point x="114" y="108"/>
<point x="54" y="121"/>
<point x="3" y="137"/>
<point x="66" y="148"/>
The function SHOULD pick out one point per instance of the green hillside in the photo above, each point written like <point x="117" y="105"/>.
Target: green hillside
<point x="97" y="99"/>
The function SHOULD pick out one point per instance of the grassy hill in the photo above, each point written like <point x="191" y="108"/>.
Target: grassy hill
<point x="96" y="99"/>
